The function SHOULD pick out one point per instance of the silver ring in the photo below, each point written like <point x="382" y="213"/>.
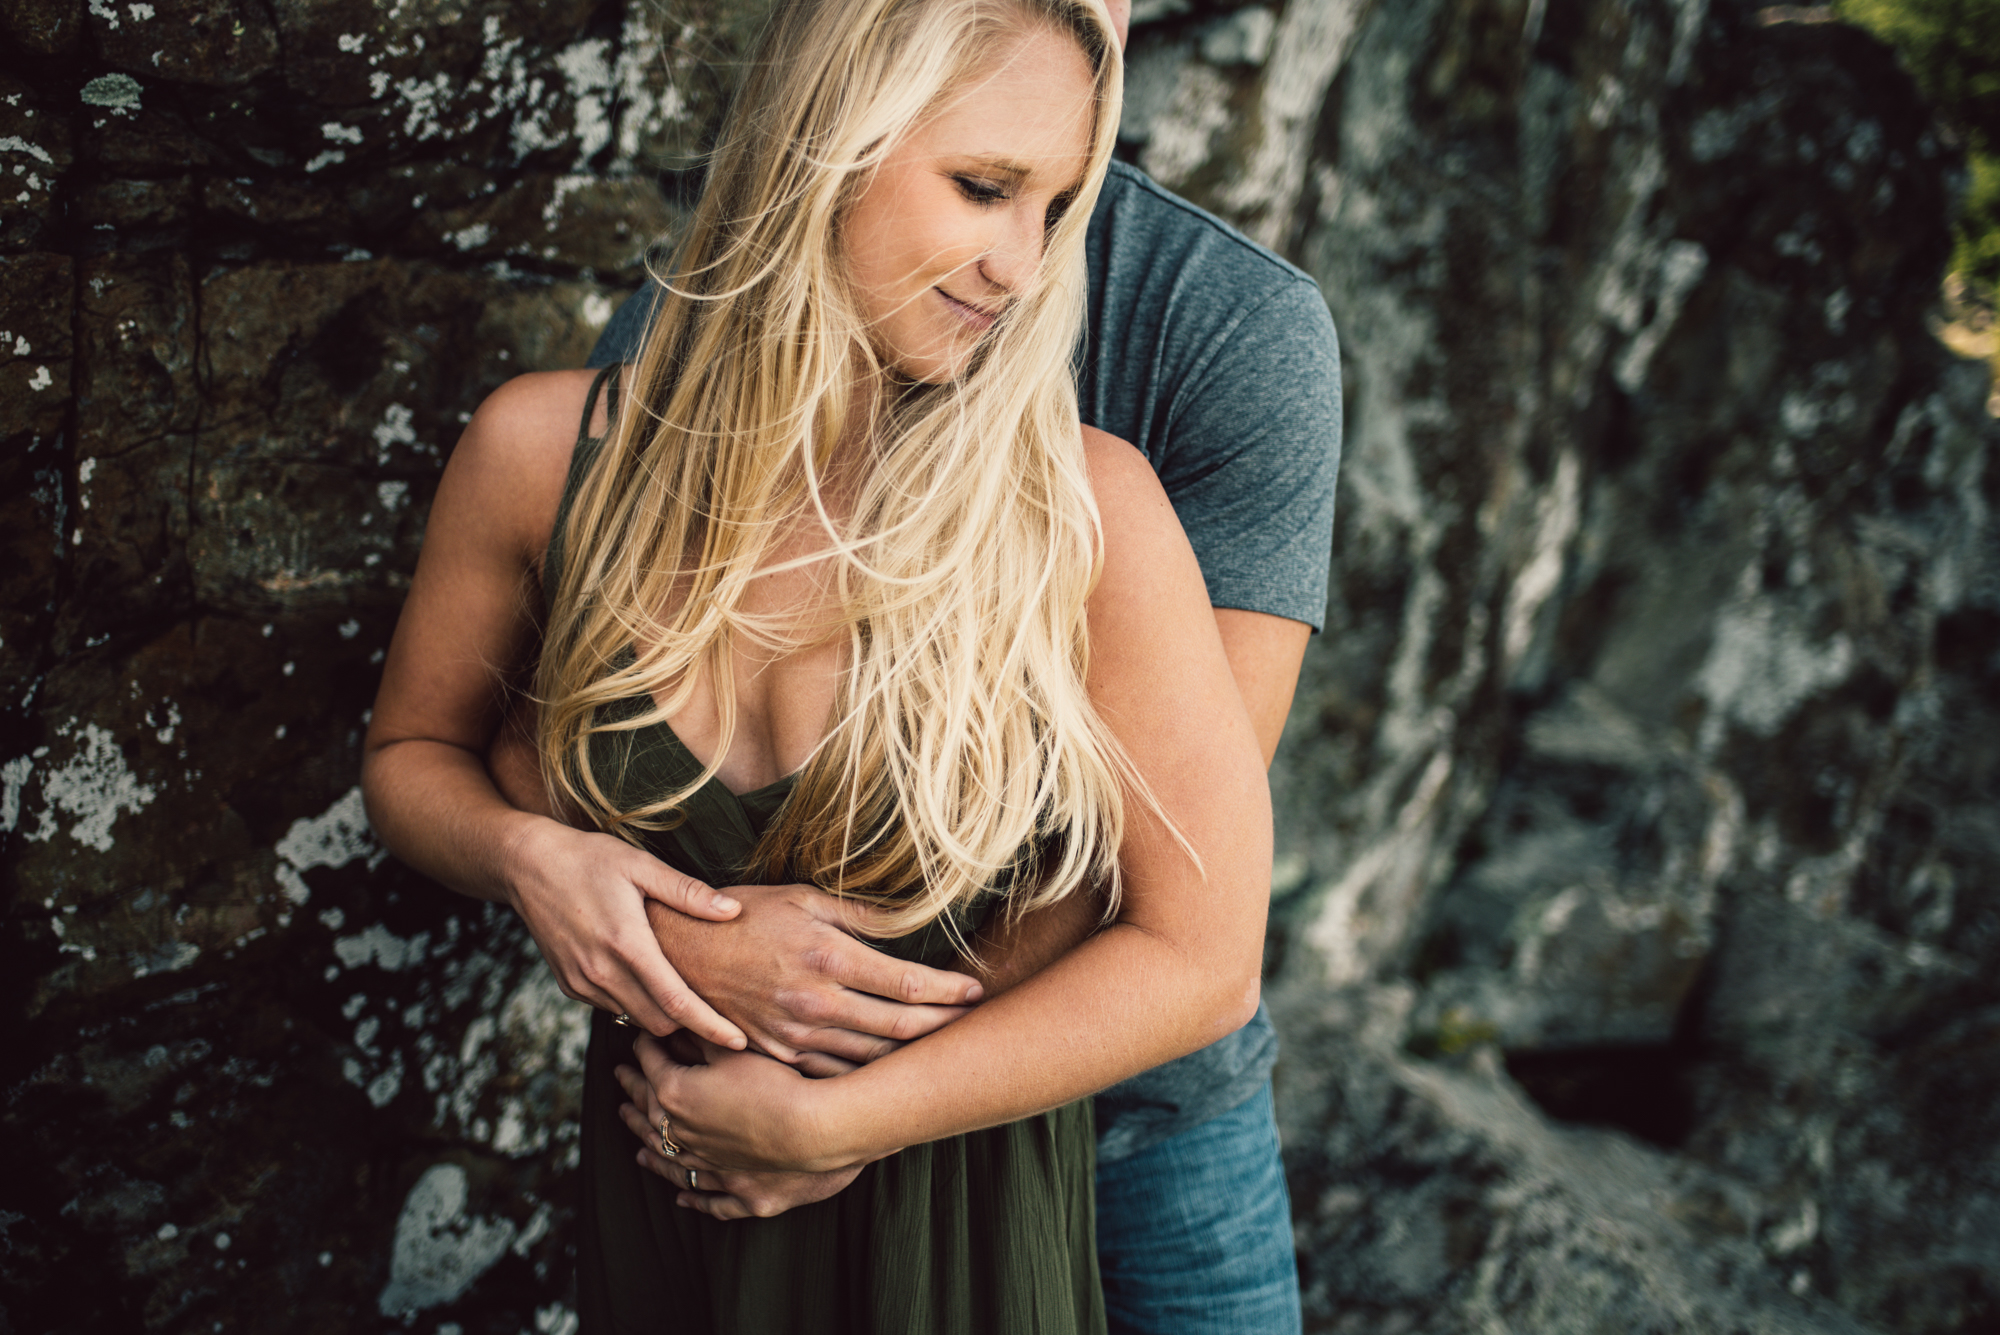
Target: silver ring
<point x="668" y="1145"/>
<point x="692" y="1173"/>
<point x="625" y="1019"/>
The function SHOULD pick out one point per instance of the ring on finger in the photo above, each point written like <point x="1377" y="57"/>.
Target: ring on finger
<point x="668" y="1145"/>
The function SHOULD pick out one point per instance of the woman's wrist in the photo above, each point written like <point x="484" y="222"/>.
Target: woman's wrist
<point x="848" y="1121"/>
<point x="825" y="1124"/>
<point x="528" y="844"/>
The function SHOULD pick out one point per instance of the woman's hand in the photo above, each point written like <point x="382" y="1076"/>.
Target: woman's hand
<point x="788" y="968"/>
<point x="741" y="1111"/>
<point x="1175" y="970"/>
<point x="720" y="1193"/>
<point x="584" y="897"/>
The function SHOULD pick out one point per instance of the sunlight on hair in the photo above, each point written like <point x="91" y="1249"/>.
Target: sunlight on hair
<point x="963" y="753"/>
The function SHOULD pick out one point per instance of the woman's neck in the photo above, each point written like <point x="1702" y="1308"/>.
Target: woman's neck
<point x="849" y="461"/>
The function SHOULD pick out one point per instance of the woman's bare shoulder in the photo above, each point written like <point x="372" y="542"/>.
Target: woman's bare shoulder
<point x="1130" y="499"/>
<point x="1101" y="449"/>
<point x="1150" y="581"/>
<point x="509" y="465"/>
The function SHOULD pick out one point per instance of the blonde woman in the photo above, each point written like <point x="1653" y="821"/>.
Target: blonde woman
<point x="838" y="591"/>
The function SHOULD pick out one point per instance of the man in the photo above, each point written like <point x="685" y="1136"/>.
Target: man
<point x="1218" y="360"/>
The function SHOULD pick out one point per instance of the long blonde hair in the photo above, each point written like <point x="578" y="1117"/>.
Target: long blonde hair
<point x="963" y="744"/>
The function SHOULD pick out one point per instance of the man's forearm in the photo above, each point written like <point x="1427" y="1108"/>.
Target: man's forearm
<point x="1010" y="951"/>
<point x="1264" y="653"/>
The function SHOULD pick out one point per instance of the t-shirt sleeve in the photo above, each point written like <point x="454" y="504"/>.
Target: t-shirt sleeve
<point x="1253" y="453"/>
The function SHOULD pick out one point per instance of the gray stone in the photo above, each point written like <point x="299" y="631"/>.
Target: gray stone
<point x="1635" y="923"/>
<point x="242" y="335"/>
<point x="44" y="27"/>
<point x="1434" y="1197"/>
<point x="34" y="153"/>
<point x="221" y="43"/>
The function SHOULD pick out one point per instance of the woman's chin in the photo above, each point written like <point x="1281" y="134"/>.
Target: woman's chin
<point x="944" y="360"/>
<point x="931" y="370"/>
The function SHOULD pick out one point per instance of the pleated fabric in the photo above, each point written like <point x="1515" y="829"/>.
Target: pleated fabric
<point x="990" y="1233"/>
<point x="982" y="1234"/>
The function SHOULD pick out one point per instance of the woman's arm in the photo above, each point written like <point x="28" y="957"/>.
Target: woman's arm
<point x="468" y="622"/>
<point x="1008" y="953"/>
<point x="1177" y="970"/>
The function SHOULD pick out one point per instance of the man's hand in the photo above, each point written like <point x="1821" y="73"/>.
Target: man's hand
<point x="790" y="972"/>
<point x="806" y="990"/>
<point x="720" y="1193"/>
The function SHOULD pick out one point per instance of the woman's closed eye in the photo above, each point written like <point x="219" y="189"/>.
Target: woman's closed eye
<point x="980" y="190"/>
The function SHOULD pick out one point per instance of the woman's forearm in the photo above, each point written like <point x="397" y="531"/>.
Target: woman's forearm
<point x="1178" y="970"/>
<point x="1010" y="952"/>
<point x="1122" y="1002"/>
<point x="436" y="807"/>
<point x="581" y="894"/>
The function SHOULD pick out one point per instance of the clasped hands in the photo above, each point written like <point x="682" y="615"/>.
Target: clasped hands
<point x="776" y="969"/>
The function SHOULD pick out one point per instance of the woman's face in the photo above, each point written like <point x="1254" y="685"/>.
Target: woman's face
<point x="950" y="228"/>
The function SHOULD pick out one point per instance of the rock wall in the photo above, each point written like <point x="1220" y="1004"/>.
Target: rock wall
<point x="1646" y="767"/>
<point x="261" y="262"/>
<point x="1635" y="921"/>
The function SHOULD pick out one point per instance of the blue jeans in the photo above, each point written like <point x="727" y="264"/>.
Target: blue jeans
<point x="1194" y="1235"/>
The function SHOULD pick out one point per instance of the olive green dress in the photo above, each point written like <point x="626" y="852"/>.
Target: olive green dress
<point x="989" y="1233"/>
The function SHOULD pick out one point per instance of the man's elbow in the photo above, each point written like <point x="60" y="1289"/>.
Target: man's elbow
<point x="1231" y="995"/>
<point x="1241" y="1004"/>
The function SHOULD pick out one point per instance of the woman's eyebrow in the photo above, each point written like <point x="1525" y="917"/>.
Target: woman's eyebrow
<point x="995" y="163"/>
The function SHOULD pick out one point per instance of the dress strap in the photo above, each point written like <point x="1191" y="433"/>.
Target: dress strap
<point x="608" y="376"/>
<point x="582" y="456"/>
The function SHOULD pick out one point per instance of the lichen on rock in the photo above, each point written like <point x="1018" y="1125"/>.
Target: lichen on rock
<point x="1635" y="931"/>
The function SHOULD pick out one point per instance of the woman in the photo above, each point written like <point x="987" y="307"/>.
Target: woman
<point x="946" y="654"/>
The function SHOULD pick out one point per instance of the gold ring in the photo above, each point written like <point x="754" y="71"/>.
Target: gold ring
<point x="625" y="1019"/>
<point x="668" y="1145"/>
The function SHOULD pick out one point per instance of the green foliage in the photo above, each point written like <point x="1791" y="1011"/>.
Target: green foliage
<point x="1977" y="253"/>
<point x="1952" y="49"/>
<point x="1458" y="1032"/>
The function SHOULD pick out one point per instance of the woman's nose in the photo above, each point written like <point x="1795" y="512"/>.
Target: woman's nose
<point x="1013" y="260"/>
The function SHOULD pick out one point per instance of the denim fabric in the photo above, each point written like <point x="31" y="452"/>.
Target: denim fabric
<point x="1194" y="1235"/>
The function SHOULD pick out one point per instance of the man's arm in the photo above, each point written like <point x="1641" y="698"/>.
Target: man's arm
<point x="794" y="977"/>
<point x="806" y="990"/>
<point x="1008" y="953"/>
<point x="1264" y="652"/>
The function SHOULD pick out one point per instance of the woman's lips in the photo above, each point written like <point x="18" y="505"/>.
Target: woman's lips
<point x="979" y="321"/>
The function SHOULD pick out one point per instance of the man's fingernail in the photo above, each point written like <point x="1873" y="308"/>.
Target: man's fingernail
<point x="724" y="904"/>
<point x="974" y="993"/>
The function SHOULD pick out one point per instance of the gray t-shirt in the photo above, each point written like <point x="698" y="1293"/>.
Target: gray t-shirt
<point x="1218" y="360"/>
